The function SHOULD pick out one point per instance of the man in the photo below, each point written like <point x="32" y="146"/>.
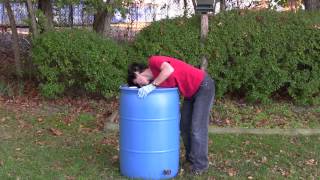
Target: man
<point x="198" y="91"/>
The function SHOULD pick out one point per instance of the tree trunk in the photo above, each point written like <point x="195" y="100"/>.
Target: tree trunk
<point x="71" y="15"/>
<point x="32" y="17"/>
<point x="102" y="23"/>
<point x="15" y="39"/>
<point x="311" y="4"/>
<point x="204" y="34"/>
<point x="185" y="8"/>
<point x="46" y="7"/>
<point x="222" y="5"/>
<point x="194" y="5"/>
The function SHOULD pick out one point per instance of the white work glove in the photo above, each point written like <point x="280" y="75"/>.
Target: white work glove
<point x="145" y="90"/>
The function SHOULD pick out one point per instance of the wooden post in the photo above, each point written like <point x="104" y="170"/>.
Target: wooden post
<point x="204" y="34"/>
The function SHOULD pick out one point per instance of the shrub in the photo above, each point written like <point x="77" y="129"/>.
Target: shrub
<point x="252" y="54"/>
<point x="263" y="53"/>
<point x="172" y="37"/>
<point x="78" y="59"/>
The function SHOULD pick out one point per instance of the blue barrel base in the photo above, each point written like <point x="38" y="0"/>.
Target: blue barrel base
<point x="149" y="165"/>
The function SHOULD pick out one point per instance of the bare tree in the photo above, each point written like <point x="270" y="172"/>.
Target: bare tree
<point x="71" y="15"/>
<point x="102" y="22"/>
<point x="46" y="7"/>
<point x="194" y="5"/>
<point x="32" y="17"/>
<point x="311" y="4"/>
<point x="15" y="39"/>
<point x="222" y="5"/>
<point x="185" y="8"/>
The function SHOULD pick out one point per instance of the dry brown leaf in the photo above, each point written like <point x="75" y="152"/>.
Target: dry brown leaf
<point x="250" y="177"/>
<point x="246" y="142"/>
<point x="70" y="177"/>
<point x="228" y="121"/>
<point x="1" y="162"/>
<point x="263" y="122"/>
<point x="210" y="142"/>
<point x="264" y="159"/>
<point x="3" y="119"/>
<point x="211" y="178"/>
<point x="115" y="158"/>
<point x="40" y="120"/>
<point x="56" y="132"/>
<point x="311" y="162"/>
<point x="86" y="130"/>
<point x="232" y="172"/>
<point x="41" y="143"/>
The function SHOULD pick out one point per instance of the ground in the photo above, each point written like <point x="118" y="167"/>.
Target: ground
<point x="66" y="138"/>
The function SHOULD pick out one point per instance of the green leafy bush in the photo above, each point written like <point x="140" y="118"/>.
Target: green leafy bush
<point x="253" y="54"/>
<point x="78" y="59"/>
<point x="172" y="37"/>
<point x="261" y="54"/>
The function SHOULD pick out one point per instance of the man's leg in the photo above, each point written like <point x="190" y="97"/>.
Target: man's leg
<point x="202" y="105"/>
<point x="185" y="126"/>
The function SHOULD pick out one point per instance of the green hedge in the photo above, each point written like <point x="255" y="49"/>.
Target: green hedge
<point x="253" y="54"/>
<point x="78" y="59"/>
<point x="178" y="38"/>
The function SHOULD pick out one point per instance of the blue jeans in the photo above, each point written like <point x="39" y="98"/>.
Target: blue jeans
<point x="194" y="124"/>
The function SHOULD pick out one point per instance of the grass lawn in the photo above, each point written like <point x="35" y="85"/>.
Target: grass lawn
<point x="227" y="113"/>
<point x="49" y="148"/>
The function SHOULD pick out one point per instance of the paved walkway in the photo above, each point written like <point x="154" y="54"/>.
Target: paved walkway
<point x="257" y="131"/>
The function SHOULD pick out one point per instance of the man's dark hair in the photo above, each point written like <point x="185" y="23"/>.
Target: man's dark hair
<point x="134" y="67"/>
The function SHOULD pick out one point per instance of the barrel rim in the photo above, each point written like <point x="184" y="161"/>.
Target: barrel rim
<point x="127" y="88"/>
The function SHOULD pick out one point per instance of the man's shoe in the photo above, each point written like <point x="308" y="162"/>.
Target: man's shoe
<point x="197" y="172"/>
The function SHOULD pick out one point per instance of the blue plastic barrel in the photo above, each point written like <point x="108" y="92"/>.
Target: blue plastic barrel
<point x="149" y="133"/>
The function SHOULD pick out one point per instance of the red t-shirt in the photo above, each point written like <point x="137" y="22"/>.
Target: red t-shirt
<point x="186" y="77"/>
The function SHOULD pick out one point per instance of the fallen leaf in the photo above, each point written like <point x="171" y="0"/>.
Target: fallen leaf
<point x="115" y="158"/>
<point x="246" y="142"/>
<point x="250" y="177"/>
<point x="70" y="178"/>
<point x="210" y="142"/>
<point x="40" y="120"/>
<point x="258" y="111"/>
<point x="3" y="119"/>
<point x="311" y="162"/>
<point x="39" y="133"/>
<point x="41" y="143"/>
<point x="228" y="121"/>
<point x="1" y="162"/>
<point x="55" y="132"/>
<point x="232" y="172"/>
<point x="262" y="123"/>
<point x="264" y="159"/>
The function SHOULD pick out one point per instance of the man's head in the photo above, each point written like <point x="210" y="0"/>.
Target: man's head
<point x="134" y="75"/>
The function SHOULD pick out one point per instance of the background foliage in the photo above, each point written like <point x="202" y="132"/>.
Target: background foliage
<point x="256" y="55"/>
<point x="78" y="59"/>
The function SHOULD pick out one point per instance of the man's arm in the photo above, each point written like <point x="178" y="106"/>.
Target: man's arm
<point x="165" y="71"/>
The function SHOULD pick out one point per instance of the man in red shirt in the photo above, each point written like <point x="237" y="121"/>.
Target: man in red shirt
<point x="198" y="91"/>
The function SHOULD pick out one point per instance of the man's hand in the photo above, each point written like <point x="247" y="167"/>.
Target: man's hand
<point x="145" y="90"/>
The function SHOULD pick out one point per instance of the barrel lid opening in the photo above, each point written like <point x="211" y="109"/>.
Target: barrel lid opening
<point x="135" y="88"/>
